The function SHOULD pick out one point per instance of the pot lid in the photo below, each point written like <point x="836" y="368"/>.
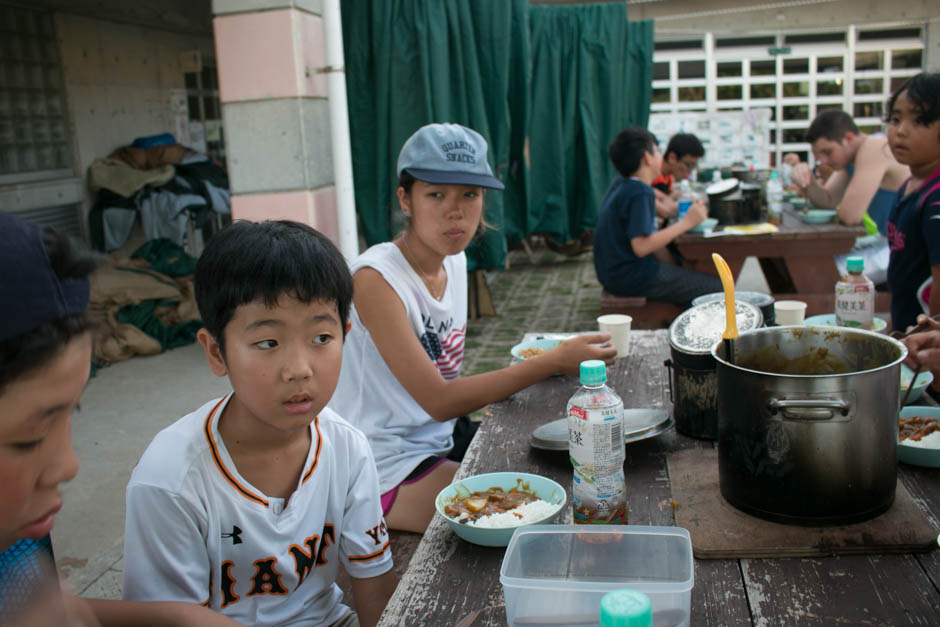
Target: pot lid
<point x="721" y="187"/>
<point x="697" y="329"/>
<point x="758" y="299"/>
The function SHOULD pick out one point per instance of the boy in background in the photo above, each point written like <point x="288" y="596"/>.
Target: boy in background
<point x="681" y="158"/>
<point x="248" y="504"/>
<point x="625" y="237"/>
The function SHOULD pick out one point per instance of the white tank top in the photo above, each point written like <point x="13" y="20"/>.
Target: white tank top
<point x="368" y="395"/>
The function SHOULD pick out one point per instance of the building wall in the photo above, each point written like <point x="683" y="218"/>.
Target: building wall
<point x="118" y="79"/>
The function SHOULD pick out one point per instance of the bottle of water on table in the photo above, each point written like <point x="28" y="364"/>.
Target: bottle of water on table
<point x="596" y="449"/>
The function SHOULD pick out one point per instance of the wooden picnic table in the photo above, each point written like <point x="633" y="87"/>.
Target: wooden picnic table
<point x="796" y="261"/>
<point x="452" y="582"/>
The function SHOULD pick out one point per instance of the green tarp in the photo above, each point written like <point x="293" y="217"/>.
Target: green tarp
<point x="411" y="62"/>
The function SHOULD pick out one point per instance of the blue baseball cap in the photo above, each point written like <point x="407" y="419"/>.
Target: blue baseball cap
<point x="447" y="154"/>
<point x="31" y="294"/>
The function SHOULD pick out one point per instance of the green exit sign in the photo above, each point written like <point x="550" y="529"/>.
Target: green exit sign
<point x="784" y="50"/>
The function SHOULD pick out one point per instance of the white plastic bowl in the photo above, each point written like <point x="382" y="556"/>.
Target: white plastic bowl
<point x="542" y="487"/>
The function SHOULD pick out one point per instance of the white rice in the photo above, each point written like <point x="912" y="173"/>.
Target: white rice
<point x="928" y="441"/>
<point x="523" y="515"/>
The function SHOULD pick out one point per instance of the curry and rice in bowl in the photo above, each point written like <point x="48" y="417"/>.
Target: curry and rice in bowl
<point x="486" y="509"/>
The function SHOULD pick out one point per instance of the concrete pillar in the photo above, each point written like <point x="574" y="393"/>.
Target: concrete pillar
<point x="275" y="110"/>
<point x="932" y="46"/>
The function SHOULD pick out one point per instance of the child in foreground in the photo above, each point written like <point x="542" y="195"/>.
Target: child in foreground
<point x="45" y="353"/>
<point x="626" y="242"/>
<point x="248" y="504"/>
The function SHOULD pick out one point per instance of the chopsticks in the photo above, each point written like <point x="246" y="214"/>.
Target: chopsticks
<point x="898" y="335"/>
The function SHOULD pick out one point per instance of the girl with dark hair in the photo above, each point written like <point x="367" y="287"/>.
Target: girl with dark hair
<point x="399" y="381"/>
<point x="914" y="222"/>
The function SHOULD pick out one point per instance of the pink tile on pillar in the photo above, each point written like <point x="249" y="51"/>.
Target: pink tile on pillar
<point x="270" y="54"/>
<point x="314" y="207"/>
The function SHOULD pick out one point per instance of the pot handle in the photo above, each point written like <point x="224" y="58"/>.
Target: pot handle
<point x="816" y="409"/>
<point x="668" y="364"/>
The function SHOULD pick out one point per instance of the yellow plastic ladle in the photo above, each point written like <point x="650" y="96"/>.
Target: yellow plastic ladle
<point x="731" y="322"/>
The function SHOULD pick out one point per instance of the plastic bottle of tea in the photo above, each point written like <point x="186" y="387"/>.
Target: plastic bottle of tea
<point x="596" y="449"/>
<point x="855" y="296"/>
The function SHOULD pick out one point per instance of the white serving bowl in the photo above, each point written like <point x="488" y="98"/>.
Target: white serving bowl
<point x="542" y="487"/>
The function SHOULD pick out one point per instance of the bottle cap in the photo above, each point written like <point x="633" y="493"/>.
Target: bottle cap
<point x="855" y="264"/>
<point x="593" y="372"/>
<point x="626" y="608"/>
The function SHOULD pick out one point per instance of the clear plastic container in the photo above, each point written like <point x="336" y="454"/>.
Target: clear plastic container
<point x="596" y="449"/>
<point x="563" y="571"/>
<point x="855" y="296"/>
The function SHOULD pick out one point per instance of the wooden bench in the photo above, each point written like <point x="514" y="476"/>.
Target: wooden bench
<point x="646" y="314"/>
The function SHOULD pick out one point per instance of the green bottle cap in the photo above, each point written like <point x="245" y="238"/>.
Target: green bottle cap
<point x="593" y="372"/>
<point x="855" y="264"/>
<point x="626" y="608"/>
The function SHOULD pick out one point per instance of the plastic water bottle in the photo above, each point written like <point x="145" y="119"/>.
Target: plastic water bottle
<point x="626" y="608"/>
<point x="596" y="449"/>
<point x="855" y="296"/>
<point x="685" y="197"/>
<point x="774" y="194"/>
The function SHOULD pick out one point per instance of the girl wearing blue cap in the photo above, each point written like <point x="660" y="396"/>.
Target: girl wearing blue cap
<point x="400" y="379"/>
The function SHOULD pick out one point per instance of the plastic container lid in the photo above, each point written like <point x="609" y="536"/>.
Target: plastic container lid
<point x="626" y="608"/>
<point x="593" y="372"/>
<point x="855" y="264"/>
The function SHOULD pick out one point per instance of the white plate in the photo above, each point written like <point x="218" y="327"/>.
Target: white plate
<point x="543" y="344"/>
<point x="928" y="457"/>
<point x="642" y="424"/>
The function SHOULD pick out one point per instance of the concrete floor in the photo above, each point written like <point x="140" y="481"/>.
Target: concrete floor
<point x="126" y="404"/>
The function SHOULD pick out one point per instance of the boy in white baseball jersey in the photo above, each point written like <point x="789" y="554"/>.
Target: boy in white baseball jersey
<point x="249" y="504"/>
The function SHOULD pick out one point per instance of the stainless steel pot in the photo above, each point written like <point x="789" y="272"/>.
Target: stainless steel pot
<point x="817" y="448"/>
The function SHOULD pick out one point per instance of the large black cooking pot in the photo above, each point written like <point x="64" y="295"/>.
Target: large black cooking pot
<point x="693" y="383"/>
<point x="807" y="423"/>
<point x="733" y="202"/>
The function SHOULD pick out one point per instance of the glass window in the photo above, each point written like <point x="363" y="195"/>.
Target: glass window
<point x="728" y="68"/>
<point x="868" y="109"/>
<point x="691" y="69"/>
<point x="869" y="85"/>
<point x="897" y="82"/>
<point x="873" y="60"/>
<point x="691" y="94"/>
<point x="661" y="95"/>
<point x="773" y="136"/>
<point x="763" y="91"/>
<point x="871" y="128"/>
<point x="901" y="59"/>
<point x="763" y="68"/>
<point x="796" y="112"/>
<point x="794" y="135"/>
<point x="829" y="64"/>
<point x="796" y="90"/>
<point x="826" y="107"/>
<point x="33" y="125"/>
<point x="730" y="92"/>
<point x="829" y="88"/>
<point x="661" y="71"/>
<point x="796" y="66"/>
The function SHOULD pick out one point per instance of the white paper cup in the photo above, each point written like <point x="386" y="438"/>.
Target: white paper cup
<point x="618" y="325"/>
<point x="789" y="312"/>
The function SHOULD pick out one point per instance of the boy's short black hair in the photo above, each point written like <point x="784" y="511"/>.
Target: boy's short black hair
<point x="26" y="352"/>
<point x="923" y="91"/>
<point x="247" y="261"/>
<point x="682" y="144"/>
<point x="832" y="124"/>
<point x="626" y="150"/>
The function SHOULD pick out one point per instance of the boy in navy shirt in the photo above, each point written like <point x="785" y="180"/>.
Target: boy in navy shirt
<point x="626" y="241"/>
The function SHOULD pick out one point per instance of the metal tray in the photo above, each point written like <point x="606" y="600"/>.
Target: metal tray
<point x="553" y="436"/>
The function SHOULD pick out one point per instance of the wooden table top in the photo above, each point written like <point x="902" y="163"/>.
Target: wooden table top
<point x="792" y="227"/>
<point x="452" y="582"/>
